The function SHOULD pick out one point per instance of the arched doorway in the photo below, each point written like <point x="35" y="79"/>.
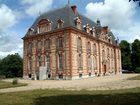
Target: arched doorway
<point x="104" y="69"/>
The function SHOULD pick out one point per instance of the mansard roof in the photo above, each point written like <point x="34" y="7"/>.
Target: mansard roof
<point x="67" y="15"/>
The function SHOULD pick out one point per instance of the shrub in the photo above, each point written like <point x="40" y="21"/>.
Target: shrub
<point x="15" y="81"/>
<point x="2" y="77"/>
<point x="137" y="70"/>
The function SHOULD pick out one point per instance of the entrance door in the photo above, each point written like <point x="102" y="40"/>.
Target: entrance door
<point x="104" y="69"/>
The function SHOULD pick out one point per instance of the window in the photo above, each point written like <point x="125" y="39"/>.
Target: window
<point x="30" y="31"/>
<point x="60" y="23"/>
<point x="47" y="44"/>
<point x="78" y="22"/>
<point x="87" y="28"/>
<point x="103" y="55"/>
<point x="88" y="48"/>
<point x="44" y="25"/>
<point x="39" y="46"/>
<point x="94" y="49"/>
<point x="112" y="54"/>
<point x="79" y="44"/>
<point x="60" y="62"/>
<point x="94" y="64"/>
<point x="39" y="61"/>
<point x="89" y="63"/>
<point x="30" y="48"/>
<point x="80" y="62"/>
<point x="112" y="64"/>
<point x="48" y="63"/>
<point x="118" y="54"/>
<point x="93" y="31"/>
<point x="30" y="63"/>
<point x="60" y="42"/>
<point x="108" y="53"/>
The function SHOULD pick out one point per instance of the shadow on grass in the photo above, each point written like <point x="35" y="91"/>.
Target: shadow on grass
<point x="84" y="99"/>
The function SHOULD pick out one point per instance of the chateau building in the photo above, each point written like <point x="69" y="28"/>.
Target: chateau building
<point x="70" y="46"/>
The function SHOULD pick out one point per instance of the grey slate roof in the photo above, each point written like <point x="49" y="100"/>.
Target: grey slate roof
<point x="67" y="15"/>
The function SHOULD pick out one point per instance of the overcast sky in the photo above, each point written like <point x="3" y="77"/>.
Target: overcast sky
<point x="16" y="16"/>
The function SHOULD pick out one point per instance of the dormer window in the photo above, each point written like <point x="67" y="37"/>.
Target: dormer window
<point x="60" y="23"/>
<point x="117" y="40"/>
<point x="109" y="38"/>
<point x="44" y="25"/>
<point x="93" y="31"/>
<point x="98" y="23"/>
<point x="78" y="22"/>
<point x="87" y="28"/>
<point x="30" y="31"/>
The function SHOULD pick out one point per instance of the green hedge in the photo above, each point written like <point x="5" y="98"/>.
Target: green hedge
<point x="137" y="70"/>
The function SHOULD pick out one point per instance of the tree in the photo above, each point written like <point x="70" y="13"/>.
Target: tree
<point x="125" y="55"/>
<point x="11" y="66"/>
<point x="136" y="54"/>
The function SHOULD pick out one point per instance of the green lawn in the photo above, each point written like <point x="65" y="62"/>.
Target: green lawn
<point x="4" y="84"/>
<point x="63" y="97"/>
<point x="135" y="78"/>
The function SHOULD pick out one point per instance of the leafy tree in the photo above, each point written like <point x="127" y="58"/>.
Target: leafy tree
<point x="136" y="54"/>
<point x="11" y="66"/>
<point x="125" y="55"/>
<point x="0" y="65"/>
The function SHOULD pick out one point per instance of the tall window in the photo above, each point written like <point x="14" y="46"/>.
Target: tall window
<point x="39" y="61"/>
<point x="112" y="64"/>
<point x="79" y="44"/>
<point x="48" y="62"/>
<point x="89" y="63"/>
<point x="118" y="54"/>
<point x="79" y="61"/>
<point x="108" y="53"/>
<point x="88" y="47"/>
<point x="60" y="42"/>
<point x="30" y="48"/>
<point x="60" y="62"/>
<point x="94" y="49"/>
<point x="30" y="63"/>
<point x="112" y="54"/>
<point x="39" y="46"/>
<point x="94" y="64"/>
<point x="48" y="44"/>
<point x="103" y="55"/>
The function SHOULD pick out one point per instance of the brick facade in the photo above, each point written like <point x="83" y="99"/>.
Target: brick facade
<point x="98" y="56"/>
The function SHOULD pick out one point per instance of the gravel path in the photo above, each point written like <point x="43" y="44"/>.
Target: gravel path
<point x="95" y="83"/>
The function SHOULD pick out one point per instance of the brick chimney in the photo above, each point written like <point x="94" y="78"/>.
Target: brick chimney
<point x="105" y="29"/>
<point x="74" y="9"/>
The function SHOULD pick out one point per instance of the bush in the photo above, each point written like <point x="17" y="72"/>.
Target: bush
<point x="2" y="77"/>
<point x="15" y="81"/>
<point x="137" y="70"/>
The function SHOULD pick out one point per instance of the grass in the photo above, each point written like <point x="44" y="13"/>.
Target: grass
<point x="135" y="78"/>
<point x="4" y="84"/>
<point x="65" y="97"/>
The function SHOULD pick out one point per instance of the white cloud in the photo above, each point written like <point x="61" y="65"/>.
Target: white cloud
<point x="118" y="15"/>
<point x="10" y="42"/>
<point x="7" y="17"/>
<point x="34" y="7"/>
<point x="130" y="34"/>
